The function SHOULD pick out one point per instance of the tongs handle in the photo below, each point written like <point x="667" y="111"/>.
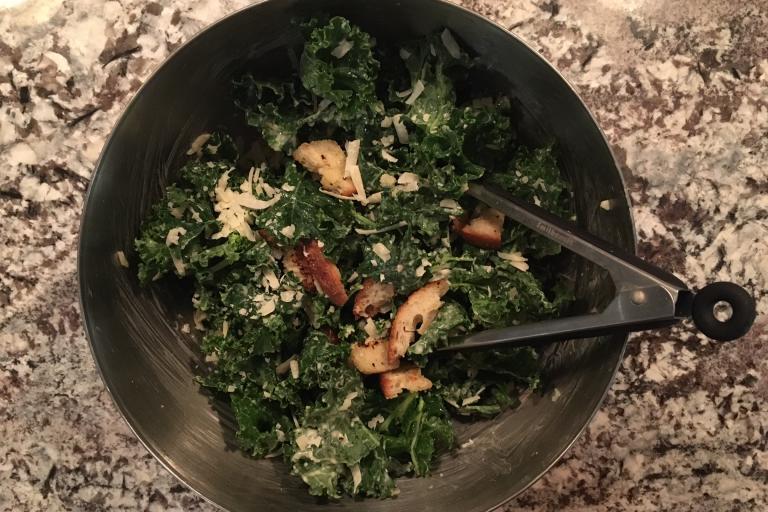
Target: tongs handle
<point x="646" y="296"/>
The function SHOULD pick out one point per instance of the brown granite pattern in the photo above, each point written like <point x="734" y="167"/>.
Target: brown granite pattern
<point x="681" y="89"/>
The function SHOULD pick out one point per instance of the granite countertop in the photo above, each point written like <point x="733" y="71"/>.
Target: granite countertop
<point x="681" y="89"/>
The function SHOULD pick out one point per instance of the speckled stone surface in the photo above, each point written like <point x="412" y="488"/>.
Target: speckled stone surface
<point x="681" y="89"/>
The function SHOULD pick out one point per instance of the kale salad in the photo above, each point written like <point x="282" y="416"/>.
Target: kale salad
<point x="328" y="269"/>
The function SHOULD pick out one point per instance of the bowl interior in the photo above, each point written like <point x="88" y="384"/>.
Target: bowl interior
<point x="149" y="365"/>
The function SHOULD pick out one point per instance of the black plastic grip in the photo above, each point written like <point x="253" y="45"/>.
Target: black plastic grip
<point x="742" y="306"/>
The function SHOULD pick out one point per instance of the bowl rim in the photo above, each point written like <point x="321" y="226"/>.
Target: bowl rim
<point x="158" y="453"/>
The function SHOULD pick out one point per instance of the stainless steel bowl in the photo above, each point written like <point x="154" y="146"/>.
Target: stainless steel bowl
<point x="148" y="365"/>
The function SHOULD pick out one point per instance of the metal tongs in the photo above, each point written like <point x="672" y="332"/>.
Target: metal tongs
<point x="646" y="297"/>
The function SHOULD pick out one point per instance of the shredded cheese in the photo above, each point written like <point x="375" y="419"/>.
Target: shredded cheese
<point x="387" y="181"/>
<point x="342" y="49"/>
<point x="393" y="227"/>
<point x="418" y="88"/>
<point x="172" y="238"/>
<point x="450" y="204"/>
<point x="288" y="231"/>
<point x="197" y="145"/>
<point x="450" y="44"/>
<point x="400" y="129"/>
<point x="179" y="265"/>
<point x="284" y="366"/>
<point x="197" y="318"/>
<point x="403" y="94"/>
<point x="294" y="365"/>
<point x="515" y="259"/>
<point x="231" y="206"/>
<point x="408" y="182"/>
<point x="381" y="251"/>
<point x="370" y="329"/>
<point x="387" y="156"/>
<point x="357" y="477"/>
<point x="347" y="403"/>
<point x="351" y="168"/>
<point x="376" y="420"/>
<point x="270" y="280"/>
<point x="121" y="259"/>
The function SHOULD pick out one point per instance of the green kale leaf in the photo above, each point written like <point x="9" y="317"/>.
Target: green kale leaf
<point x="338" y="65"/>
<point x="451" y="319"/>
<point x="417" y="429"/>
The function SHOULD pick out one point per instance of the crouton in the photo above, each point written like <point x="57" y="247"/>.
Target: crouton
<point x="375" y="298"/>
<point x="316" y="272"/>
<point x="483" y="229"/>
<point x="371" y="357"/>
<point x="405" y="378"/>
<point x="292" y="262"/>
<point x="415" y="315"/>
<point x="326" y="159"/>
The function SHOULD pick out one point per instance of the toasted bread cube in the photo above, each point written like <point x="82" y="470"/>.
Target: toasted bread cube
<point x="483" y="230"/>
<point x="316" y="272"/>
<point x="375" y="298"/>
<point x="405" y="378"/>
<point x="371" y="357"/>
<point x="326" y="159"/>
<point x="415" y="315"/>
<point x="292" y="262"/>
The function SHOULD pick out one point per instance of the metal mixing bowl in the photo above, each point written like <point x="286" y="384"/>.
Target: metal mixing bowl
<point x="148" y="365"/>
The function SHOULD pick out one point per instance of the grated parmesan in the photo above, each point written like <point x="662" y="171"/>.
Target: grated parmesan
<point x="357" y="477"/>
<point x="450" y="204"/>
<point x="294" y="365"/>
<point x="172" y="238"/>
<point x="288" y="231"/>
<point x="342" y="49"/>
<point x="376" y="420"/>
<point x="231" y="206"/>
<point x="381" y="251"/>
<point x="515" y="259"/>
<point x="270" y="280"/>
<point x="418" y="88"/>
<point x="387" y="156"/>
<point x="370" y="329"/>
<point x="393" y="227"/>
<point x="387" y="181"/>
<point x="347" y="403"/>
<point x="351" y="168"/>
<point x="197" y="145"/>
<point x="197" y="318"/>
<point x="450" y="44"/>
<point x="121" y="259"/>
<point x="408" y="182"/>
<point x="400" y="129"/>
